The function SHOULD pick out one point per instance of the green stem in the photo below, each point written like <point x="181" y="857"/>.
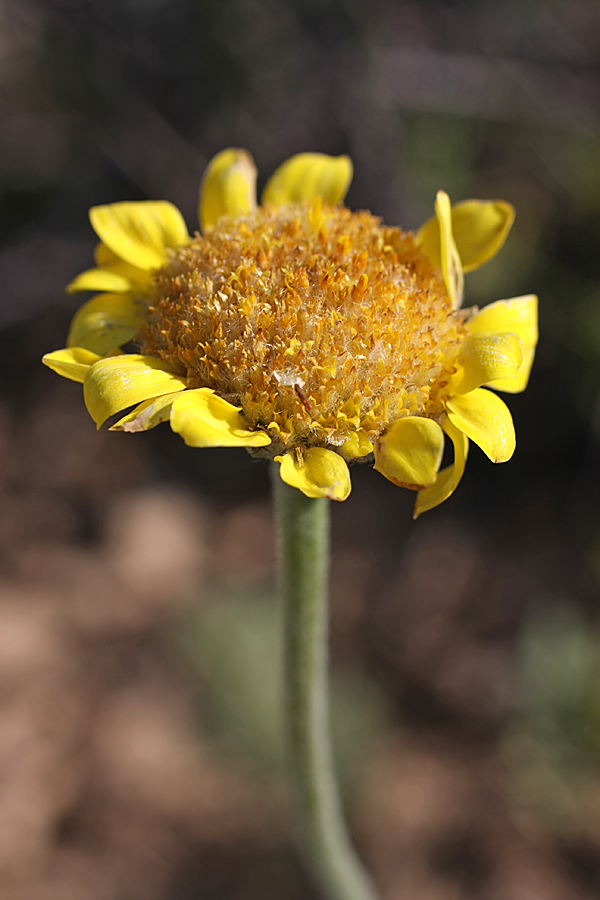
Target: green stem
<point x="304" y="569"/>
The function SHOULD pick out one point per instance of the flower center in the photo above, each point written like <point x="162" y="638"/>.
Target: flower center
<point x="318" y="322"/>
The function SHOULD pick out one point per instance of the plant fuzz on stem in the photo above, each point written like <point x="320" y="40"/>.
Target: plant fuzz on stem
<point x="303" y="525"/>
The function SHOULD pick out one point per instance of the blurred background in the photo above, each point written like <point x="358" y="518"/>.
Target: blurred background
<point x="140" y="738"/>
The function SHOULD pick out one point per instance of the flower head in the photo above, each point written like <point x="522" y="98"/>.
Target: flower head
<point x="301" y="330"/>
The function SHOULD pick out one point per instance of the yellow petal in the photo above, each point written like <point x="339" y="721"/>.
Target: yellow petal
<point x="228" y="187"/>
<point x="449" y="258"/>
<point x="111" y="274"/>
<point x="409" y="453"/>
<point x="99" y="280"/>
<point x="448" y="479"/>
<point x="480" y="228"/>
<point x="317" y="472"/>
<point x="140" y="233"/>
<point x="105" y="322"/>
<point x="115" y="383"/>
<point x="147" y="415"/>
<point x="520" y="316"/>
<point x="485" y="357"/>
<point x="486" y="419"/>
<point x="307" y="176"/>
<point x="356" y="446"/>
<point x="72" y="363"/>
<point x="205" y="420"/>
<point x="106" y="259"/>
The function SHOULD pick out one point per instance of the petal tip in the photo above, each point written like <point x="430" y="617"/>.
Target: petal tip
<point x="227" y="187"/>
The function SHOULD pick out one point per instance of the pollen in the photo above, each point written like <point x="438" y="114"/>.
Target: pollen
<point x="320" y="323"/>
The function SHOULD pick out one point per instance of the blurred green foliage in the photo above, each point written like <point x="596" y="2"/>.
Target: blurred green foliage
<point x="233" y="643"/>
<point x="553" y="744"/>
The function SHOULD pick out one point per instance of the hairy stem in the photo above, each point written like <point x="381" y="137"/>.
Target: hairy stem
<point x="304" y="569"/>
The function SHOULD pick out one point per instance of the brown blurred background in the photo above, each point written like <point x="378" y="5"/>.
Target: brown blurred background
<point x="140" y="739"/>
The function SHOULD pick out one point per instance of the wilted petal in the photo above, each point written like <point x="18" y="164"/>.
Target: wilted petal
<point x="317" y="472"/>
<point x="409" y="453"/>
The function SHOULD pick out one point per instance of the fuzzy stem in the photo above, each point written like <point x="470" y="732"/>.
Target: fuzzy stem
<point x="303" y="526"/>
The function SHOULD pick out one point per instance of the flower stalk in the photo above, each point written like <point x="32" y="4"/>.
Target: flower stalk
<point x="303" y="525"/>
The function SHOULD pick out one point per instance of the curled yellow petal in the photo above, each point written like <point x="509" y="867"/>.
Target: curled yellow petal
<point x="409" y="453"/>
<point x="113" y="384"/>
<point x="356" y="446"/>
<point x="105" y="322"/>
<point x="112" y="275"/>
<point x="140" y="233"/>
<point x="307" y="176"/>
<point x="480" y="228"/>
<point x="317" y="472"/>
<point x="204" y="419"/>
<point x="449" y="258"/>
<point x="519" y="315"/>
<point x="72" y="363"/>
<point x="228" y="187"/>
<point x="147" y="415"/>
<point x="140" y="279"/>
<point x="99" y="280"/>
<point x="486" y="419"/>
<point x="485" y="357"/>
<point x="449" y="478"/>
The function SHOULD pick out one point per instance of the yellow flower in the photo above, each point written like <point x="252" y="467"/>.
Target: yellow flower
<point x="302" y="331"/>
